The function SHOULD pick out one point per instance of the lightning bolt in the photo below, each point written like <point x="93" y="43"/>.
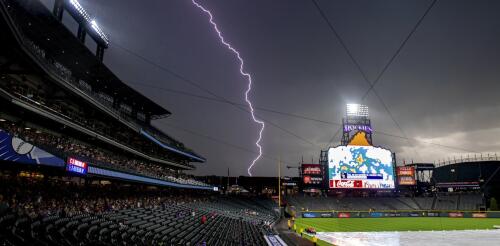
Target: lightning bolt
<point x="244" y="74"/>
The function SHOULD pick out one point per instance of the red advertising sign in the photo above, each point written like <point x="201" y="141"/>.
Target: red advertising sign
<point x="312" y="180"/>
<point x="346" y="183"/>
<point x="405" y="171"/>
<point x="406" y="175"/>
<point x="314" y="169"/>
<point x="344" y="215"/>
<point x="455" y="215"/>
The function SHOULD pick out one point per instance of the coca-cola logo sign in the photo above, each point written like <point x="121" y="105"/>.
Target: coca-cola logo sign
<point x="347" y="184"/>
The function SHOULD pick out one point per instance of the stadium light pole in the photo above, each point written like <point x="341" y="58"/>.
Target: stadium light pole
<point x="279" y="184"/>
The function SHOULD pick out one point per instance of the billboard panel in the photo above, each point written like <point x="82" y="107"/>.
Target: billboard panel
<point x="311" y="169"/>
<point x="76" y="166"/>
<point x="360" y="167"/>
<point x="406" y="175"/>
<point x="405" y="171"/>
<point x="406" y="180"/>
<point x="15" y="149"/>
<point x="312" y="180"/>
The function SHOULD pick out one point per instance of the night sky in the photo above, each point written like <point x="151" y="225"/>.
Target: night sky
<point x="443" y="87"/>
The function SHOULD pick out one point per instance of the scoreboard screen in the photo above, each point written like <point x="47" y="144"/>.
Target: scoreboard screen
<point x="360" y="167"/>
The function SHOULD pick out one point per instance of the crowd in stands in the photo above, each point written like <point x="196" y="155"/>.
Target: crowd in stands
<point x="41" y="198"/>
<point x="51" y="211"/>
<point x="34" y="95"/>
<point x="65" y="146"/>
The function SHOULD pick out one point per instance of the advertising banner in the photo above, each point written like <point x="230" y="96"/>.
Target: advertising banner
<point x="311" y="169"/>
<point x="312" y="180"/>
<point x="479" y="215"/>
<point x="15" y="149"/>
<point x="406" y="175"/>
<point x="309" y="215"/>
<point x="76" y="166"/>
<point x="406" y="180"/>
<point x="344" y="215"/>
<point x="456" y="215"/>
<point x="405" y="171"/>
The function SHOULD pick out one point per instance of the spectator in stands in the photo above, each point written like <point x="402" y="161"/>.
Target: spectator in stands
<point x="203" y="219"/>
<point x="4" y="206"/>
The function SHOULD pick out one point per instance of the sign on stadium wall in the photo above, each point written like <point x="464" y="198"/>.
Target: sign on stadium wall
<point x="312" y="175"/>
<point x="479" y="215"/>
<point x="17" y="150"/>
<point x="311" y="169"/>
<point x="312" y="180"/>
<point x="405" y="171"/>
<point x="344" y="215"/>
<point x="456" y="215"/>
<point x="76" y="166"/>
<point x="406" y="175"/>
<point x="405" y="180"/>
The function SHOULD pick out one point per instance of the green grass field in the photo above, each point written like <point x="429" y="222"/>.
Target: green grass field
<point x="395" y="224"/>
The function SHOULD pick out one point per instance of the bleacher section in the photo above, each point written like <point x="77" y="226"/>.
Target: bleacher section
<point x="168" y="225"/>
<point x="424" y="202"/>
<point x="441" y="202"/>
<point x="446" y="203"/>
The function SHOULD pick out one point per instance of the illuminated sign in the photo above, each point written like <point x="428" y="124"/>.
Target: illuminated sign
<point x="360" y="167"/>
<point x="405" y="171"/>
<point x="312" y="180"/>
<point x="76" y="166"/>
<point x="314" y="169"/>
<point x="365" y="128"/>
<point x="406" y="180"/>
<point x="406" y="175"/>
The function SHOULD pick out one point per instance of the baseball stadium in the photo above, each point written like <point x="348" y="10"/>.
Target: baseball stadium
<point x="90" y="154"/>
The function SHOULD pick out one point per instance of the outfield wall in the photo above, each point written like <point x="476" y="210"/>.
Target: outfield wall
<point x="388" y="214"/>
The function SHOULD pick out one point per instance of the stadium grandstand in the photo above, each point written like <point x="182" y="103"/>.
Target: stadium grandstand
<point x="81" y="162"/>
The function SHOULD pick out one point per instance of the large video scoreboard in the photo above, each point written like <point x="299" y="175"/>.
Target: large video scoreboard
<point x="360" y="167"/>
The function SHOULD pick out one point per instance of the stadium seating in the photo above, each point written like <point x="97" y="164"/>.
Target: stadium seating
<point x="129" y="216"/>
<point x="424" y="202"/>
<point x="65" y="146"/>
<point x="441" y="202"/>
<point x="470" y="202"/>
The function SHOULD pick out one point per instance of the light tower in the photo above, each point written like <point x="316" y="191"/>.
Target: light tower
<point x="356" y="120"/>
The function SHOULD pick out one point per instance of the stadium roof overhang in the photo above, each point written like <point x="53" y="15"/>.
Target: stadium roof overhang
<point x="62" y="45"/>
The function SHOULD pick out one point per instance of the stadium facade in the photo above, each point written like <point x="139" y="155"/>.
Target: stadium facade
<point x="56" y="90"/>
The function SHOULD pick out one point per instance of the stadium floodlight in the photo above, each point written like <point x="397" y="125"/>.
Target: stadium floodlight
<point x="98" y="30"/>
<point x="357" y="110"/>
<point x="83" y="13"/>
<point x="80" y="10"/>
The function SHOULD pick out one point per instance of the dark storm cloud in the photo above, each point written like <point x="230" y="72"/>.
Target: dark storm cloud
<point x="442" y="88"/>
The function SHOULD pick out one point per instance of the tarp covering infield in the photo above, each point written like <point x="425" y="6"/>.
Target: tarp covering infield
<point x="415" y="238"/>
